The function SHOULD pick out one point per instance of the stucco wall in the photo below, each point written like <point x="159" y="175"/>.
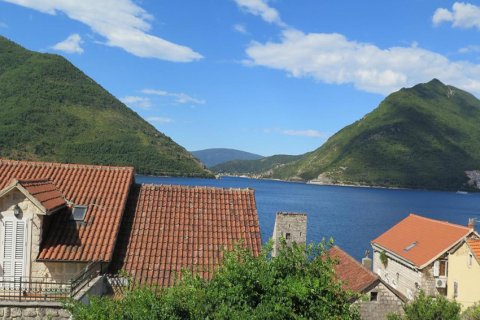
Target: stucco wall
<point x="467" y="277"/>
<point x="407" y="277"/>
<point x="387" y="302"/>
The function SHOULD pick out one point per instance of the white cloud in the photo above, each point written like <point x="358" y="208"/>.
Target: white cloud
<point x="469" y="49"/>
<point x="463" y="15"/>
<point x="240" y="28"/>
<point x="135" y="101"/>
<point x="262" y="9"/>
<point x="332" y="58"/>
<point x="305" y="133"/>
<point x="123" y="24"/>
<point x="160" y="120"/>
<point x="3" y="25"/>
<point x="70" y="45"/>
<point x="181" y="98"/>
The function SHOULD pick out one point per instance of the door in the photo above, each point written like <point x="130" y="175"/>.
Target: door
<point x="14" y="248"/>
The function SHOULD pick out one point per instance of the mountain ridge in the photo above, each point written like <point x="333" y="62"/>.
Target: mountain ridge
<point x="51" y="111"/>
<point x="214" y="156"/>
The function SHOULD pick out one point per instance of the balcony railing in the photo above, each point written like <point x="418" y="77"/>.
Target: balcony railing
<point x="44" y="289"/>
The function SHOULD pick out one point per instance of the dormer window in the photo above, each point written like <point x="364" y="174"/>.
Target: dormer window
<point x="79" y="212"/>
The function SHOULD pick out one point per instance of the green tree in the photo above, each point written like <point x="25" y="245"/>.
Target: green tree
<point x="425" y="307"/>
<point x="472" y="313"/>
<point x="297" y="284"/>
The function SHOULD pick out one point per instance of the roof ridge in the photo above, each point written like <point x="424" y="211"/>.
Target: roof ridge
<point x="180" y="186"/>
<point x="65" y="165"/>
<point x="440" y="221"/>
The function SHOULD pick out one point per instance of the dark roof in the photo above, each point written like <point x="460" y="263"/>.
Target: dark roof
<point x="354" y="275"/>
<point x="420" y="240"/>
<point x="45" y="192"/>
<point x="169" y="228"/>
<point x="103" y="189"/>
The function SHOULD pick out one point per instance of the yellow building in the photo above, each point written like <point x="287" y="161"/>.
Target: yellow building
<point x="464" y="273"/>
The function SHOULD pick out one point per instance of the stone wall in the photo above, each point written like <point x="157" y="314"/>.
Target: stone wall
<point x="33" y="310"/>
<point x="386" y="302"/>
<point x="290" y="226"/>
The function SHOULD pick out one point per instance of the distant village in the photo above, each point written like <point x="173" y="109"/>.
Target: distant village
<point x="72" y="231"/>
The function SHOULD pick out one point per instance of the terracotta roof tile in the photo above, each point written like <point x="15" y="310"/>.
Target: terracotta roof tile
<point x="45" y="192"/>
<point x="103" y="189"/>
<point x="168" y="228"/>
<point x="474" y="245"/>
<point x="419" y="240"/>
<point x="354" y="276"/>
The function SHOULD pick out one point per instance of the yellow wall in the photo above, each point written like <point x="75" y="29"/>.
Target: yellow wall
<point x="467" y="277"/>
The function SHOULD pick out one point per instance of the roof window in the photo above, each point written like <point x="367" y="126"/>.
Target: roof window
<point x="410" y="247"/>
<point x="79" y="212"/>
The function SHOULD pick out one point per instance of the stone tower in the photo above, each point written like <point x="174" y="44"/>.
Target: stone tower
<point x="290" y="226"/>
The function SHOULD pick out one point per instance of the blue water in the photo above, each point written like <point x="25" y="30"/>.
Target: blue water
<point x="352" y="216"/>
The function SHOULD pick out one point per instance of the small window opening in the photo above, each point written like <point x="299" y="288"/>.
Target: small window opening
<point x="470" y="260"/>
<point x="455" y="289"/>
<point x="373" y="296"/>
<point x="288" y="236"/>
<point x="410" y="247"/>
<point x="79" y="212"/>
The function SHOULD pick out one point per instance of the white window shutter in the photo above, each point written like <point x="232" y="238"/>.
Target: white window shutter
<point x="13" y="260"/>
<point x="19" y="248"/>
<point x="436" y="268"/>
<point x="8" y="249"/>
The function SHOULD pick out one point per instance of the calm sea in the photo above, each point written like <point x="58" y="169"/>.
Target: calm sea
<point x="352" y="216"/>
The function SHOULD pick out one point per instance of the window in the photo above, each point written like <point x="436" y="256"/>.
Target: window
<point x="79" y="212"/>
<point x="440" y="268"/>
<point x="470" y="260"/>
<point x="410" y="247"/>
<point x="455" y="289"/>
<point x="373" y="296"/>
<point x="288" y="236"/>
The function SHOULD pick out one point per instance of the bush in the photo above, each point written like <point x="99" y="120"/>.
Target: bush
<point x="294" y="285"/>
<point x="472" y="313"/>
<point x="425" y="307"/>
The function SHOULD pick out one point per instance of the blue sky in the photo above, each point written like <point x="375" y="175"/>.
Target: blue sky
<point x="268" y="77"/>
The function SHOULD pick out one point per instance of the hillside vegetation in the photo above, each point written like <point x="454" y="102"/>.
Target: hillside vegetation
<point x="254" y="167"/>
<point x="51" y="111"/>
<point x="426" y="136"/>
<point x="215" y="156"/>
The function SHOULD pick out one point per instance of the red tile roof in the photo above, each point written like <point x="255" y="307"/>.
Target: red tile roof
<point x="354" y="276"/>
<point x="103" y="189"/>
<point x="474" y="245"/>
<point x="45" y="192"/>
<point x="420" y="240"/>
<point x="167" y="228"/>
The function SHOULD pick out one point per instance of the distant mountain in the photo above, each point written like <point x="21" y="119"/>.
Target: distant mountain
<point x="426" y="136"/>
<point x="212" y="157"/>
<point x="52" y="111"/>
<point x="254" y="167"/>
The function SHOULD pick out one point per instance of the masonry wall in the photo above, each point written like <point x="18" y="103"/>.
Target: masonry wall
<point x="33" y="310"/>
<point x="467" y="276"/>
<point x="386" y="303"/>
<point x="290" y="226"/>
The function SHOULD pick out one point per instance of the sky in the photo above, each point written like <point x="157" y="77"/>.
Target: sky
<point x="269" y="77"/>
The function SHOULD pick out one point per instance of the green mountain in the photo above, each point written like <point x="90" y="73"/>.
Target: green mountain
<point x="214" y="156"/>
<point x="254" y="167"/>
<point x="426" y="136"/>
<point x="51" y="111"/>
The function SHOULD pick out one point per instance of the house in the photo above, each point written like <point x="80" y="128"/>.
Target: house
<point x="414" y="254"/>
<point x="167" y="229"/>
<point x="377" y="298"/>
<point x="63" y="226"/>
<point x="463" y="283"/>
<point x="291" y="227"/>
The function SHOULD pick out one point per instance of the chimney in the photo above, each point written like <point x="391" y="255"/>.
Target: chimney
<point x="292" y="227"/>
<point x="366" y="261"/>
<point x="471" y="223"/>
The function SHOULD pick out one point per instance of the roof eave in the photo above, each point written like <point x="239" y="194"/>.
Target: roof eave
<point x="405" y="260"/>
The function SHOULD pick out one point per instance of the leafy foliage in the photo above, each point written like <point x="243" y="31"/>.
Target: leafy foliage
<point x="422" y="137"/>
<point x="51" y="111"/>
<point x="425" y="307"/>
<point x="472" y="313"/>
<point x="294" y="285"/>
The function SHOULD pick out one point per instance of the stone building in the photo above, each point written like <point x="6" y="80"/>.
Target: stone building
<point x="377" y="298"/>
<point x="291" y="227"/>
<point x="414" y="254"/>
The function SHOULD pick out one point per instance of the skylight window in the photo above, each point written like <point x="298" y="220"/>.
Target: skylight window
<point x="79" y="212"/>
<point x="410" y="247"/>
